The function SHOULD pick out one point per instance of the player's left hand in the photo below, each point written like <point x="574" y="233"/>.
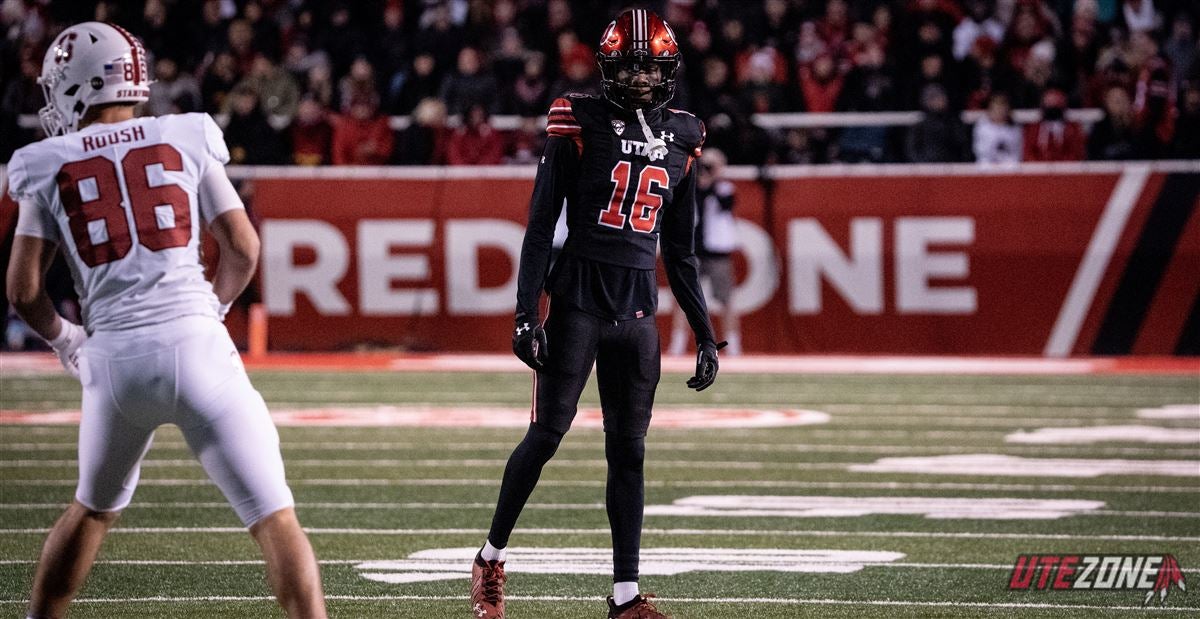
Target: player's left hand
<point x="529" y="343"/>
<point x="706" y="365"/>
<point x="66" y="346"/>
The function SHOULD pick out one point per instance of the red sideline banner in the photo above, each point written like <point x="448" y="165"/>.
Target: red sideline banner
<point x="1054" y="260"/>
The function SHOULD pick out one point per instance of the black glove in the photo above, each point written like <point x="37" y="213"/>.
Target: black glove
<point x="529" y="343"/>
<point x="706" y="365"/>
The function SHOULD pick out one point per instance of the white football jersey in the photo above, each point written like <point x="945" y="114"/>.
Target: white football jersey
<point x="123" y="200"/>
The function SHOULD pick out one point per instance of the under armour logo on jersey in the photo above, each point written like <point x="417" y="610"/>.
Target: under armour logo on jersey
<point x="618" y="126"/>
<point x="523" y="327"/>
<point x="667" y="137"/>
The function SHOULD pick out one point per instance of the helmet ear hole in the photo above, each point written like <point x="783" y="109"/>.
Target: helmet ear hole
<point x="70" y="92"/>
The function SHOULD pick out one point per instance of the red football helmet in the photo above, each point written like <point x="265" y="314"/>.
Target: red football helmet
<point x="638" y="40"/>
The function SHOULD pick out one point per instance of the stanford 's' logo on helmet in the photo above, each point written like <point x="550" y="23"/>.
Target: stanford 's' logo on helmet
<point x="64" y="48"/>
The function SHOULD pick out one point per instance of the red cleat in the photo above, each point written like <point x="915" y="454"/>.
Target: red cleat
<point x="487" y="589"/>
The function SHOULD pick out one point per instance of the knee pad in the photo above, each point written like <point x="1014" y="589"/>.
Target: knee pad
<point x="541" y="441"/>
<point x="624" y="452"/>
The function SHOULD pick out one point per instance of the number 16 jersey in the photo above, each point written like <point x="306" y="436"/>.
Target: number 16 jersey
<point x="124" y="202"/>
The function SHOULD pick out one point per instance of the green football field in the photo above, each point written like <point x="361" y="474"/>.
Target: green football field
<point x="911" y="499"/>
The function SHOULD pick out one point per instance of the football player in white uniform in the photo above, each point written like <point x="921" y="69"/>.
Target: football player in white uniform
<point x="125" y="198"/>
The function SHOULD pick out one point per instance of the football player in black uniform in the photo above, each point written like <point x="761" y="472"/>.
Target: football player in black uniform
<point x="626" y="167"/>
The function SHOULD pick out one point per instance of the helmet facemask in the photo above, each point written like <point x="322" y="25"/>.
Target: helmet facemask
<point x="631" y="83"/>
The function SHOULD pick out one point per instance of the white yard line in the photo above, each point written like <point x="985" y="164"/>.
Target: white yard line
<point x="702" y="483"/>
<point x="673" y="600"/>
<point x="653" y="531"/>
<point x="458" y="463"/>
<point x="490" y="505"/>
<point x="1096" y="450"/>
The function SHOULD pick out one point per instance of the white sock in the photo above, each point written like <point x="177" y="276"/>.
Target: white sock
<point x="624" y="591"/>
<point x="491" y="553"/>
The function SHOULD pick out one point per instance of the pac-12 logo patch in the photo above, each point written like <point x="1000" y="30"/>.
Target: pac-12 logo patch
<point x="618" y="126"/>
<point x="1154" y="574"/>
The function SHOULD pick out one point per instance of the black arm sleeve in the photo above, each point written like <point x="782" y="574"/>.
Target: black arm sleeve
<point x="556" y="179"/>
<point x="679" y="257"/>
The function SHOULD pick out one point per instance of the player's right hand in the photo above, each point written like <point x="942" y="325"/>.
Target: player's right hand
<point x="529" y="343"/>
<point x="67" y="344"/>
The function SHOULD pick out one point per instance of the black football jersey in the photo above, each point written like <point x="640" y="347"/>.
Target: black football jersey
<point x="616" y="215"/>
<point x="622" y="200"/>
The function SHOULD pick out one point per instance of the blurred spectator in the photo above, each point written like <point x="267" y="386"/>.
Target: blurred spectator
<point x="362" y="136"/>
<point x="221" y="78"/>
<point x="300" y="59"/>
<point x="358" y="83"/>
<point x="212" y="33"/>
<point x="797" y="149"/>
<point x="424" y="141"/>
<point x="471" y="84"/>
<point x="940" y="136"/>
<point x="391" y="43"/>
<point x="277" y="90"/>
<point x="1154" y="108"/>
<point x="821" y="85"/>
<point x="1186" y="144"/>
<point x="1140" y="15"/>
<point x="997" y="139"/>
<point x="1180" y="48"/>
<point x="508" y="57"/>
<point x="870" y="87"/>
<point x="240" y="38"/>
<point x="1039" y="68"/>
<point x="439" y="35"/>
<point x="530" y="93"/>
<point x="1116" y="137"/>
<point x="760" y="92"/>
<point x="341" y="38"/>
<point x="312" y="134"/>
<point x="421" y="82"/>
<point x="1053" y="138"/>
<point x="578" y="77"/>
<point x="319" y="84"/>
<point x="476" y="142"/>
<point x="527" y="143"/>
<point x="249" y="136"/>
<point x="981" y="76"/>
<point x="266" y="32"/>
<point x="172" y="92"/>
<point x="716" y="240"/>
<point x="979" y="22"/>
<point x="23" y="95"/>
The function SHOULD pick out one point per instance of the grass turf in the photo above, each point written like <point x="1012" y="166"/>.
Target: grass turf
<point x="384" y="493"/>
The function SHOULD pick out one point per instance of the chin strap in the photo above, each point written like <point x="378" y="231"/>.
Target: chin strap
<point x="655" y="147"/>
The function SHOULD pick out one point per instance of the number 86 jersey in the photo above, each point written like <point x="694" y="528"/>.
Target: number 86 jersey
<point x="124" y="200"/>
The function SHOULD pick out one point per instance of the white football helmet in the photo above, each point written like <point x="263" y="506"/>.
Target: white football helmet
<point x="90" y="64"/>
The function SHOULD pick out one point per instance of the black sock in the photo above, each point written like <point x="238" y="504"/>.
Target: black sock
<point x="520" y="476"/>
<point x="625" y="500"/>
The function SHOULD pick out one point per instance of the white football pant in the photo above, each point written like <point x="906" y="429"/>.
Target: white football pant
<point x="186" y="372"/>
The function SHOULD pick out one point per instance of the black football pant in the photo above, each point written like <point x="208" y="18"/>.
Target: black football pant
<point x="627" y="358"/>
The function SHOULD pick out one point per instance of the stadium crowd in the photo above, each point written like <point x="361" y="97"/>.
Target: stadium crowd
<point x="314" y="83"/>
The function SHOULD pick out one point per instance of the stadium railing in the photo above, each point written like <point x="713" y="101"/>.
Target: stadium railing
<point x="799" y="120"/>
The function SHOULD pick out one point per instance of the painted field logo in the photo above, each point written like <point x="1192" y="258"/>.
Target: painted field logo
<point x="1150" y="573"/>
